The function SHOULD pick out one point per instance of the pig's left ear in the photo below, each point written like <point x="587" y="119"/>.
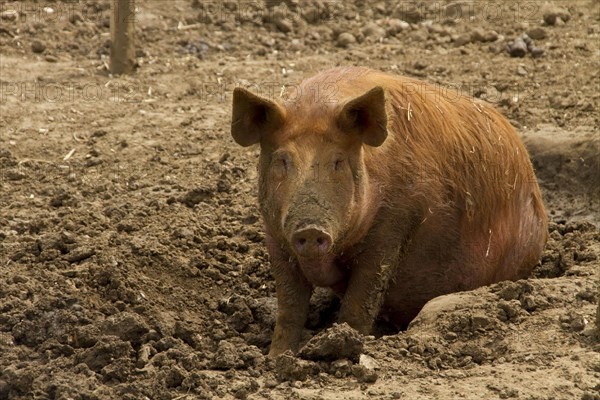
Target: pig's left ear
<point x="253" y="116"/>
<point x="366" y="117"/>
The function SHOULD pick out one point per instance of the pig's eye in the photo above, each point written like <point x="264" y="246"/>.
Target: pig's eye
<point x="338" y="164"/>
<point x="284" y="163"/>
<point x="281" y="165"/>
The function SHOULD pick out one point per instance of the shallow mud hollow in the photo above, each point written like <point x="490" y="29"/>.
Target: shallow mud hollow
<point x="132" y="255"/>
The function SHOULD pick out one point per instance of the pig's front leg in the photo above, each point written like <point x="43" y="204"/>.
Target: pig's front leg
<point x="365" y="294"/>
<point x="369" y="281"/>
<point x="293" y="298"/>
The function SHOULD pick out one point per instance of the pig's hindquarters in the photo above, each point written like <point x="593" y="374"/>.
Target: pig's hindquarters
<point x="447" y="255"/>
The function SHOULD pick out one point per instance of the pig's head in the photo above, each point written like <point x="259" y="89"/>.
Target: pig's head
<point x="313" y="182"/>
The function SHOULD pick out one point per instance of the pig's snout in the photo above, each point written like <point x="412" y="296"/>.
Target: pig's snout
<point x="311" y="242"/>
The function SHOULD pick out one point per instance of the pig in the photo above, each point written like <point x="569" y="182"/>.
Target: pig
<point x="388" y="190"/>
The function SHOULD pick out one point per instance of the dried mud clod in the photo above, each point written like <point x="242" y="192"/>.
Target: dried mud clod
<point x="336" y="351"/>
<point x="339" y="341"/>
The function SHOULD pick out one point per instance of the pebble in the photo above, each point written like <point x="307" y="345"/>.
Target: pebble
<point x="538" y="33"/>
<point x="517" y="48"/>
<point x="521" y="71"/>
<point x="51" y="58"/>
<point x="578" y="323"/>
<point x="536" y="51"/>
<point x="555" y="15"/>
<point x="345" y="39"/>
<point x="9" y="15"/>
<point x="479" y="35"/>
<point x="462" y="39"/>
<point x="523" y="45"/>
<point x="38" y="47"/>
<point x="372" y="29"/>
<point x="364" y="374"/>
<point x="284" y="25"/>
<point x="367" y="361"/>
<point x="395" y="26"/>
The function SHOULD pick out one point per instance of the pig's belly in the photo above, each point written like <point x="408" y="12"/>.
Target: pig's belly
<point x="442" y="259"/>
<point x="442" y="264"/>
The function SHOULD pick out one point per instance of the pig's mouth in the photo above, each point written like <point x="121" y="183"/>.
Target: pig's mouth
<point x="321" y="271"/>
<point x="312" y="245"/>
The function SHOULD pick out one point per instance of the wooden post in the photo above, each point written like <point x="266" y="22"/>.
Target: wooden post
<point x="122" y="49"/>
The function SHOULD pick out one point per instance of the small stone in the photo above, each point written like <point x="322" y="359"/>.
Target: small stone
<point x="395" y="26"/>
<point x="462" y="40"/>
<point x="537" y="33"/>
<point x="364" y="374"/>
<point x="536" y="51"/>
<point x="284" y="25"/>
<point x="517" y="48"/>
<point x="9" y="15"/>
<point x="38" y="47"/>
<point x="367" y="361"/>
<point x="50" y="58"/>
<point x="420" y="65"/>
<point x="552" y="14"/>
<point x="479" y="35"/>
<point x="491" y="36"/>
<point x="372" y="29"/>
<point x="521" y="71"/>
<point x="345" y="39"/>
<point x="578" y="323"/>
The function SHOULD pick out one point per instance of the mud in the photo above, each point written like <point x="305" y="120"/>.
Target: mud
<point x="132" y="256"/>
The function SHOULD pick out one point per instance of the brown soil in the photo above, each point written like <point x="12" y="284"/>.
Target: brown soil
<point x="132" y="262"/>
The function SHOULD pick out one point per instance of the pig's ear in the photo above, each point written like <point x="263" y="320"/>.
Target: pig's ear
<point x="253" y="116"/>
<point x="366" y="117"/>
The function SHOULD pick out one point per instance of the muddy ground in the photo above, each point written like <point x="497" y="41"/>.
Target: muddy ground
<point x="132" y="257"/>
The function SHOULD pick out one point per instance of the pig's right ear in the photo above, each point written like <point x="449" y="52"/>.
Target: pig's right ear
<point x="253" y="116"/>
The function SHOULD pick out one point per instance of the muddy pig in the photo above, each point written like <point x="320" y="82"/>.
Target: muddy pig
<point x="388" y="190"/>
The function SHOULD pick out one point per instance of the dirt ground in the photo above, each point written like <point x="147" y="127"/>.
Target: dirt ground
<point x="132" y="262"/>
